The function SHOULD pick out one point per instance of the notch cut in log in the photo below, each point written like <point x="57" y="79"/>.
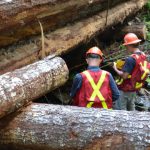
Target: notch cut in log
<point x="21" y="86"/>
<point x="63" y="40"/>
<point x="53" y="127"/>
<point x="19" y="19"/>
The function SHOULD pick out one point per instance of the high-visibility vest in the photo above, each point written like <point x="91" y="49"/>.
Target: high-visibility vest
<point x="95" y="90"/>
<point x="135" y="81"/>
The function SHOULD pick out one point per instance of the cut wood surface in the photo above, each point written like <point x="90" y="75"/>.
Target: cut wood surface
<point x="139" y="29"/>
<point x="21" y="86"/>
<point x="63" y="40"/>
<point x="19" y="18"/>
<point x="53" y="127"/>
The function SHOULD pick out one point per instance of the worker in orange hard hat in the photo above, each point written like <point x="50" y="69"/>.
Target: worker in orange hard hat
<point x="94" y="87"/>
<point x="133" y="73"/>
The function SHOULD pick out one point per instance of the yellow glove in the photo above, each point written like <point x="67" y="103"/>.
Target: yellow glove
<point x="120" y="63"/>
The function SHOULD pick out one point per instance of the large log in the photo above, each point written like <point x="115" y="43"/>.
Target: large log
<point x="21" y="86"/>
<point x="19" y="18"/>
<point x="51" y="127"/>
<point x="63" y="40"/>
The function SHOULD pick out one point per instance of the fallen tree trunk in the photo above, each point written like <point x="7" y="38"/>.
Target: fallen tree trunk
<point x="23" y="85"/>
<point x="63" y="40"/>
<point x="19" y="18"/>
<point x="51" y="127"/>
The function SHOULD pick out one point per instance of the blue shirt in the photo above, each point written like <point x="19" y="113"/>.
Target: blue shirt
<point x="77" y="83"/>
<point x="130" y="63"/>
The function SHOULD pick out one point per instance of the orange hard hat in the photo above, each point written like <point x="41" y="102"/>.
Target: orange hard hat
<point x="131" y="38"/>
<point x="95" y="50"/>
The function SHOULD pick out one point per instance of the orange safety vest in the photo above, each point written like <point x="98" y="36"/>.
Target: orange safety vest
<point x="136" y="80"/>
<point x="95" y="90"/>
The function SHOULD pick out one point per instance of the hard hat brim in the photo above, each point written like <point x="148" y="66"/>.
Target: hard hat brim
<point x="134" y="42"/>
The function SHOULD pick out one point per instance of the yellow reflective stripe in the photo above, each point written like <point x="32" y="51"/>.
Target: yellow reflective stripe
<point x="119" y="82"/>
<point x="96" y="88"/>
<point x="89" y="105"/>
<point x="129" y="76"/>
<point x="138" y="85"/>
<point x="146" y="71"/>
<point x="96" y="91"/>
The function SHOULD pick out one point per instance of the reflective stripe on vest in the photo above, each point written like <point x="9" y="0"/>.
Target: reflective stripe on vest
<point x="138" y="85"/>
<point x="146" y="70"/>
<point x="96" y="88"/>
<point x="120" y="81"/>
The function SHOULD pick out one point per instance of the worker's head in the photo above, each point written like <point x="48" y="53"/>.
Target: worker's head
<point x="94" y="56"/>
<point x="131" y="41"/>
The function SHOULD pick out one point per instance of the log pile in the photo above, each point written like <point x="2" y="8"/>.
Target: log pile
<point x="31" y="30"/>
<point x="64" y="39"/>
<point x="19" y="18"/>
<point x="51" y="127"/>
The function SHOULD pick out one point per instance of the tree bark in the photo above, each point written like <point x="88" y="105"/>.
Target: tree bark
<point x="63" y="40"/>
<point x="26" y="84"/>
<point x="51" y="127"/>
<point x="19" y="18"/>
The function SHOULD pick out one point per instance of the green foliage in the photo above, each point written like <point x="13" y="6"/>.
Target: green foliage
<point x="148" y="79"/>
<point x="146" y="19"/>
<point x="121" y="47"/>
<point x="148" y="5"/>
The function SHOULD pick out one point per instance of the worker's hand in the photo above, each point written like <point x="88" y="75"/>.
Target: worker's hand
<point x="114" y="66"/>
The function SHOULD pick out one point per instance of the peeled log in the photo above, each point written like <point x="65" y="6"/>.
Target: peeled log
<point x="63" y="40"/>
<point x="19" y="18"/>
<point x="21" y="86"/>
<point x="51" y="127"/>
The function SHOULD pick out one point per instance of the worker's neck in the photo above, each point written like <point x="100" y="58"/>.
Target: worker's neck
<point x="93" y="66"/>
<point x="135" y="50"/>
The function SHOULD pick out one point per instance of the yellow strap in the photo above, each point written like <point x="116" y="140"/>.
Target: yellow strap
<point x="119" y="81"/>
<point x="138" y="85"/>
<point x="96" y="88"/>
<point x="146" y="70"/>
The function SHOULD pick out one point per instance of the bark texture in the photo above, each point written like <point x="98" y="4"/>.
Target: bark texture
<point x="19" y="18"/>
<point x="63" y="40"/>
<point x="51" y="127"/>
<point x="26" y="84"/>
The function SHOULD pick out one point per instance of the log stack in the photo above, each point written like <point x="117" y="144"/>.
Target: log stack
<point x="64" y="39"/>
<point x="20" y="18"/>
<point x="31" y="30"/>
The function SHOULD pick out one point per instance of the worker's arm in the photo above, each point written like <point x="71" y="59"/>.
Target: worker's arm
<point x="77" y="83"/>
<point x="121" y="73"/>
<point x="114" y="88"/>
<point x="127" y="68"/>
